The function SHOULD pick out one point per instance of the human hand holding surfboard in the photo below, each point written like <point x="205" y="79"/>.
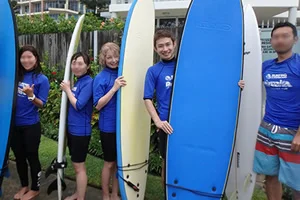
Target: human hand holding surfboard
<point x="165" y="126"/>
<point x="119" y="82"/>
<point x="241" y="84"/>
<point x="65" y="86"/>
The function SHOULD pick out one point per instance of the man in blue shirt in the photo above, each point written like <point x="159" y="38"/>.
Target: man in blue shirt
<point x="159" y="79"/>
<point x="277" y="152"/>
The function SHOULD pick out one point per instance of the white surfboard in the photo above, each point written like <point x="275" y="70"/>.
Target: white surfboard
<point x="63" y="107"/>
<point x="133" y="121"/>
<point x="241" y="181"/>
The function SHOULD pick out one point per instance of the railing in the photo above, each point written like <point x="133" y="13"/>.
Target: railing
<point x="270" y="23"/>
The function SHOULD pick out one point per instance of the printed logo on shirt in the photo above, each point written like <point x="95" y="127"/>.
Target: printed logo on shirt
<point x="277" y="84"/>
<point x="276" y="76"/>
<point x="74" y="90"/>
<point x="169" y="81"/>
<point x="20" y="88"/>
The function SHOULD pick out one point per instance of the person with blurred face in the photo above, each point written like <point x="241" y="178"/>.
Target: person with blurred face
<point x="32" y="95"/>
<point x="277" y="151"/>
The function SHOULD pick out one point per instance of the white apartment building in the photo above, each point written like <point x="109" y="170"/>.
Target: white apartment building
<point x="172" y="12"/>
<point x="51" y="7"/>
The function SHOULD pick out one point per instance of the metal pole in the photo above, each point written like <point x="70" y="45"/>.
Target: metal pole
<point x="42" y="9"/>
<point x="66" y="8"/>
<point x="30" y="8"/>
<point x="95" y="50"/>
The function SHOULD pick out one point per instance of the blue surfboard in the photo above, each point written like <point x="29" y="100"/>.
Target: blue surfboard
<point x="8" y="52"/>
<point x="205" y="100"/>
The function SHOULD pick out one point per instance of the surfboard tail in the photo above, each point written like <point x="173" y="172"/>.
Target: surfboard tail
<point x="53" y="186"/>
<point x="247" y="182"/>
<point x="52" y="169"/>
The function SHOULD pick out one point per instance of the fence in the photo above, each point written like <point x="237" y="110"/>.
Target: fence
<point x="56" y="45"/>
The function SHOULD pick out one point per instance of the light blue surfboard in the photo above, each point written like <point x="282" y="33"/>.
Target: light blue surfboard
<point x="8" y="52"/>
<point x="205" y="100"/>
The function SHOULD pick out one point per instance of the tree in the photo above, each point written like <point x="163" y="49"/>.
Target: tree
<point x="94" y="4"/>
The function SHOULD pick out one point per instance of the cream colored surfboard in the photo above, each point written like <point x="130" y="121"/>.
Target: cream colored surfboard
<point x="133" y="121"/>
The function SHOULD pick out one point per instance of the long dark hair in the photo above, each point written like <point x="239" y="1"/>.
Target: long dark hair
<point x="37" y="68"/>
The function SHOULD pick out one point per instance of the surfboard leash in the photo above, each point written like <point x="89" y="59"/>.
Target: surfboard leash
<point x="130" y="184"/>
<point x="136" y="166"/>
<point x="219" y="196"/>
<point x="141" y="165"/>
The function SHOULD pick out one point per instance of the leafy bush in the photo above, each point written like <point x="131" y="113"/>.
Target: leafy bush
<point x="35" y="25"/>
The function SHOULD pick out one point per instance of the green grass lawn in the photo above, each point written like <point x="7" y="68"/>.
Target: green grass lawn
<point x="48" y="151"/>
<point x="154" y="191"/>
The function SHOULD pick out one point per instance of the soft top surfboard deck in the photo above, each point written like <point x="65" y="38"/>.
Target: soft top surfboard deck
<point x="133" y="121"/>
<point x="205" y="101"/>
<point x="8" y="80"/>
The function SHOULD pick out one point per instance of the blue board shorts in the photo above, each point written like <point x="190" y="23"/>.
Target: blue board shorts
<point x="274" y="157"/>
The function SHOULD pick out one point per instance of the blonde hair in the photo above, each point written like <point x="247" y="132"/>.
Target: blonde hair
<point x="109" y="46"/>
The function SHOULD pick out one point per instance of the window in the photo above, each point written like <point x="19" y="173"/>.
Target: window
<point x="181" y="22"/>
<point x="37" y="7"/>
<point x="81" y="8"/>
<point x="167" y="23"/>
<point x="73" y="6"/>
<point x="54" y="16"/>
<point x="26" y="9"/>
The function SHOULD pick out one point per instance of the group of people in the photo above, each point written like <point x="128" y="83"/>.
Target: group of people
<point x="278" y="144"/>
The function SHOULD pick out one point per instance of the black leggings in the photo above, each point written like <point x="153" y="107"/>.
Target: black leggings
<point x="25" y="143"/>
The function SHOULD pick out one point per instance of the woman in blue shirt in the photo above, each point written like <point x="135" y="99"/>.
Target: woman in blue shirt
<point x="105" y="86"/>
<point x="33" y="89"/>
<point x="79" y="119"/>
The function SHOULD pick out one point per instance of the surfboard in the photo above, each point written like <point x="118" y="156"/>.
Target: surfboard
<point x="205" y="100"/>
<point x="60" y="163"/>
<point x="133" y="121"/>
<point x="242" y="179"/>
<point x="8" y="50"/>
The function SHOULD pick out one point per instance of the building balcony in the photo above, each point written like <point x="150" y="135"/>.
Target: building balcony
<point x="265" y="10"/>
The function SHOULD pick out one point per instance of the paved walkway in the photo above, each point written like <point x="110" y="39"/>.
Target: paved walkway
<point x="12" y="185"/>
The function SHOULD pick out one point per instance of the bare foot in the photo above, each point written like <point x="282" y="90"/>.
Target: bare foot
<point x="73" y="197"/>
<point x="30" y="195"/>
<point x="115" y="197"/>
<point x="21" y="193"/>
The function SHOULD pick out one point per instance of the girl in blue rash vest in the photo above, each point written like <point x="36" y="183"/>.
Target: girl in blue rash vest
<point x="79" y="119"/>
<point x="33" y="89"/>
<point x="106" y="84"/>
